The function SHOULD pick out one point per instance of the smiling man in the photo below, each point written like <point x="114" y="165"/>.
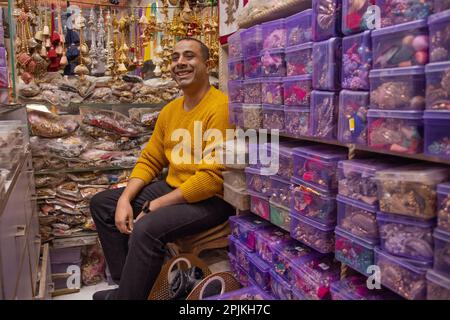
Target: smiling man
<point x="135" y="223"/>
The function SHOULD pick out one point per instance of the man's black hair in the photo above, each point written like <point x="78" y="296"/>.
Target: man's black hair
<point x="203" y="48"/>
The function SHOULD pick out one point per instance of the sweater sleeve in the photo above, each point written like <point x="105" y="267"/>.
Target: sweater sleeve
<point x="152" y="159"/>
<point x="207" y="180"/>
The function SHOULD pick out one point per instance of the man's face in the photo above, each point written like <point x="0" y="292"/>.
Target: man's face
<point x="188" y="67"/>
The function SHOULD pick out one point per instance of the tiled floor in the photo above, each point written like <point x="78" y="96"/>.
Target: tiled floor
<point x="86" y="292"/>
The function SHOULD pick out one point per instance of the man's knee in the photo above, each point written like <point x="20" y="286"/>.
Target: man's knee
<point x="102" y="202"/>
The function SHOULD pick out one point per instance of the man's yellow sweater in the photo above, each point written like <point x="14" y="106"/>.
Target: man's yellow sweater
<point x="197" y="181"/>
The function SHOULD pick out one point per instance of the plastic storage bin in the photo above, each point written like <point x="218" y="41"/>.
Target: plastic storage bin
<point x="354" y="17"/>
<point x="272" y="91"/>
<point x="273" y="117"/>
<point x="327" y="60"/>
<point x="441" y="5"/>
<point x="233" y="264"/>
<point x="231" y="113"/>
<point x="297" y="90"/>
<point x="437" y="93"/>
<point x="298" y="28"/>
<point x="273" y="63"/>
<point x="247" y="293"/>
<point x="236" y="91"/>
<point x="232" y="245"/>
<point x="439" y="44"/>
<point x="296" y="121"/>
<point x="234" y="178"/>
<point x="443" y="206"/>
<point x="354" y="251"/>
<point x="315" y="203"/>
<point x="399" y="131"/>
<point x="403" y="45"/>
<point x="242" y="276"/>
<point x="326" y="19"/>
<point x="281" y="289"/>
<point x="243" y="227"/>
<point x="236" y="69"/>
<point x="354" y="287"/>
<point x="314" y="277"/>
<point x="353" y="108"/>
<point x="257" y="182"/>
<point x="253" y="116"/>
<point x="243" y="256"/>
<point x="251" y="41"/>
<point x="324" y="114"/>
<point x="253" y="67"/>
<point x="279" y="216"/>
<point x="234" y="45"/>
<point x="315" y="235"/>
<point x="283" y="152"/>
<point x="291" y="253"/>
<point x="410" y="190"/>
<point x="252" y="91"/>
<point x="437" y="133"/>
<point x="274" y="34"/>
<point x="280" y="191"/>
<point x="317" y="165"/>
<point x="358" y="218"/>
<point x="269" y="238"/>
<point x="260" y="272"/>
<point x="398" y="88"/>
<point x="438" y="286"/>
<point x="402" y="276"/>
<point x="299" y="59"/>
<point x="259" y="205"/>
<point x="442" y="251"/>
<point x="406" y="237"/>
<point x="238" y="198"/>
<point x="395" y="12"/>
<point x="356" y="61"/>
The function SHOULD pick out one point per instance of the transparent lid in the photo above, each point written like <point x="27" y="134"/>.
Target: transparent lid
<point x="366" y="243"/>
<point x="312" y="223"/>
<point x="249" y="221"/>
<point x="366" y="166"/>
<point x="355" y="203"/>
<point x="277" y="278"/>
<point x="323" y="94"/>
<point x="393" y="72"/>
<point x="259" y="263"/>
<point x="444" y="188"/>
<point x="299" y="47"/>
<point x="443" y="16"/>
<point x="438" y="279"/>
<point x="408" y="26"/>
<point x="318" y="268"/>
<point x="240" y="246"/>
<point x="299" y="16"/>
<point x="441" y="235"/>
<point x="274" y="79"/>
<point x="294" y="250"/>
<point x="363" y="34"/>
<point x="404" y="114"/>
<point x="251" y="106"/>
<point x="437" y="115"/>
<point x="285" y="148"/>
<point x="253" y="291"/>
<point x="416" y="266"/>
<point x="240" y="191"/>
<point x="235" y="82"/>
<point x="280" y="180"/>
<point x="403" y="219"/>
<point x="290" y="109"/>
<point x="236" y="36"/>
<point x="355" y="95"/>
<point x="303" y="77"/>
<point x="253" y="81"/>
<point x="273" y="235"/>
<point x="427" y="174"/>
<point x="272" y="51"/>
<point x="273" y="107"/>
<point x="437" y="67"/>
<point x="235" y="59"/>
<point x="322" y="192"/>
<point x="321" y="153"/>
<point x="274" y="23"/>
<point x="258" y="195"/>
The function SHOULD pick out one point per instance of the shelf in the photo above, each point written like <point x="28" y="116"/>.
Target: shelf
<point x="82" y="239"/>
<point x="79" y="170"/>
<point x="9" y="108"/>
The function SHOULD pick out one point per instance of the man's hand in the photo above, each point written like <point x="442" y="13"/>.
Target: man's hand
<point x="124" y="216"/>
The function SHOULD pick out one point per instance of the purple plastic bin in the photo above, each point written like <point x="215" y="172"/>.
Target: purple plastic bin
<point x="234" y="45"/>
<point x="257" y="181"/>
<point x="242" y="276"/>
<point x="259" y="205"/>
<point x="252" y="91"/>
<point x="354" y="287"/>
<point x="280" y="191"/>
<point x="443" y="206"/>
<point x="235" y="114"/>
<point x="402" y="45"/>
<point x="327" y="61"/>
<point x="439" y="44"/>
<point x="247" y="293"/>
<point x="297" y="90"/>
<point x="253" y="67"/>
<point x="358" y="218"/>
<point x="317" y="165"/>
<point x="267" y="239"/>
<point x="315" y="203"/>
<point x="354" y="17"/>
<point x="298" y="28"/>
<point x="437" y="133"/>
<point x="356" y="252"/>
<point x="437" y="93"/>
<point x="243" y="256"/>
<point x="65" y="255"/>
<point x="299" y="59"/>
<point x="279" y="216"/>
<point x="313" y="277"/>
<point x="273" y="117"/>
<point x="232" y="245"/>
<point x="292" y="252"/>
<point x="442" y="251"/>
<point x="236" y="91"/>
<point x="274" y="34"/>
<point x="398" y="88"/>
<point x="281" y="289"/>
<point x="352" y="125"/>
<point x="396" y="12"/>
<point x="285" y="160"/>
<point x="355" y="179"/>
<point x="441" y="5"/>
<point x="251" y="41"/>
<point x="323" y="117"/>
<point x="326" y="19"/>
<point x="3" y="61"/>
<point x="259" y="272"/>
<point x="273" y="63"/>
<point x="272" y="91"/>
<point x="244" y="227"/>
<point x="236" y="69"/>
<point x="296" y="121"/>
<point x="399" y="131"/>
<point x="356" y="61"/>
<point x="438" y="286"/>
<point x="315" y="235"/>
<point x="253" y="116"/>
<point x="413" y="284"/>
<point x="406" y="236"/>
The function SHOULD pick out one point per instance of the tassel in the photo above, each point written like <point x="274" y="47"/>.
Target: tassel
<point x="63" y="62"/>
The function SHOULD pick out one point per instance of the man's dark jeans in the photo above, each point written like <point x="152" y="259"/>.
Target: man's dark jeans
<point x="135" y="260"/>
